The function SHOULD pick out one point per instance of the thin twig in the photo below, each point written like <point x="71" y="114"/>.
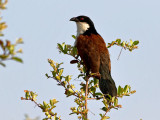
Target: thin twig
<point x="31" y="100"/>
<point x="86" y="96"/>
<point x="92" y="112"/>
<point x="120" y="53"/>
<point x="91" y="98"/>
<point x="66" y="87"/>
<point x="109" y="108"/>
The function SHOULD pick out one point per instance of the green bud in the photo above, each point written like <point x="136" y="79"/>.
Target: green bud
<point x="71" y="91"/>
<point x="60" y="72"/>
<point x="45" y="104"/>
<point x="58" y="77"/>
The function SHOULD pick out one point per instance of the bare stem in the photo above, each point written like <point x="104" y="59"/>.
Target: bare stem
<point x="91" y="98"/>
<point x="86" y="96"/>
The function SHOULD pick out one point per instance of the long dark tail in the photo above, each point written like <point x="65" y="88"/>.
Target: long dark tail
<point x="106" y="83"/>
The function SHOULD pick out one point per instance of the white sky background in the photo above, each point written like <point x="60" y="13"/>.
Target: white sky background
<point x="43" y="24"/>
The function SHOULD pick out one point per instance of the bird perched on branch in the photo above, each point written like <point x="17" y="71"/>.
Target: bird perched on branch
<point x="94" y="53"/>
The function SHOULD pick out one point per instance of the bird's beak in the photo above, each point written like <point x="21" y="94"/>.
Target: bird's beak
<point x="74" y="19"/>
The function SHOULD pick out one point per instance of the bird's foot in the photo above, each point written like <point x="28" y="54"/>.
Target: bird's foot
<point x="96" y="75"/>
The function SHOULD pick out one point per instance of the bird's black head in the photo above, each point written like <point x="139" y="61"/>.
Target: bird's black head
<point x="85" y="25"/>
<point x="82" y="18"/>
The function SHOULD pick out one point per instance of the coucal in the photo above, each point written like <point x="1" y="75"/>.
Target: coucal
<point x="94" y="53"/>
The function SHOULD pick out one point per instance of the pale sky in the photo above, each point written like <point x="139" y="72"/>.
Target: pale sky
<point x="43" y="24"/>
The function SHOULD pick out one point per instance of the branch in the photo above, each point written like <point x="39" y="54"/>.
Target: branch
<point x="86" y="96"/>
<point x="47" y="108"/>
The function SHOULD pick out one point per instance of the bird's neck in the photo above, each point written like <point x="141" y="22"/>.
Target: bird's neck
<point x="82" y="27"/>
<point x="85" y="29"/>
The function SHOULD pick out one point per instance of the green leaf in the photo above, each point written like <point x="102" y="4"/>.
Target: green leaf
<point x="17" y="59"/>
<point x="96" y="81"/>
<point x="46" y="113"/>
<point x="31" y="93"/>
<point x="60" y="72"/>
<point x="126" y="88"/>
<point x="11" y="49"/>
<point x="93" y="89"/>
<point x="105" y="118"/>
<point x="101" y="115"/>
<point x="54" y="101"/>
<point x="19" y="41"/>
<point x="115" y="102"/>
<point x="136" y="42"/>
<point x="123" y="44"/>
<point x="4" y="56"/>
<point x="104" y="109"/>
<point x="45" y="104"/>
<point x="20" y="51"/>
<point x="72" y="86"/>
<point x="129" y="88"/>
<point x="131" y="42"/>
<point x="122" y="90"/>
<point x="47" y="75"/>
<point x="98" y="93"/>
<point x="27" y="95"/>
<point x="80" y="75"/>
<point x="58" y="78"/>
<point x="51" y="102"/>
<point x="118" y="41"/>
<point x="1" y="34"/>
<point x="60" y="47"/>
<point x="68" y="78"/>
<point x="74" y="36"/>
<point x="119" y="90"/>
<point x="2" y="64"/>
<point x="54" y="73"/>
<point x="34" y="97"/>
<point x="112" y="99"/>
<point x="70" y="90"/>
<point x="74" y="51"/>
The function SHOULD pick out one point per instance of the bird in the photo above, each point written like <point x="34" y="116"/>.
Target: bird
<point x="94" y="54"/>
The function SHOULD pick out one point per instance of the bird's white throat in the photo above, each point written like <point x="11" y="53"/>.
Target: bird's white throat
<point x="81" y="27"/>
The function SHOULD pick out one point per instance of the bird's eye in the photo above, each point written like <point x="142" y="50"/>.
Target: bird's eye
<point x="82" y="18"/>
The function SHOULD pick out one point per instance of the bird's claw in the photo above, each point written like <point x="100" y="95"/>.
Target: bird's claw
<point x="95" y="75"/>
